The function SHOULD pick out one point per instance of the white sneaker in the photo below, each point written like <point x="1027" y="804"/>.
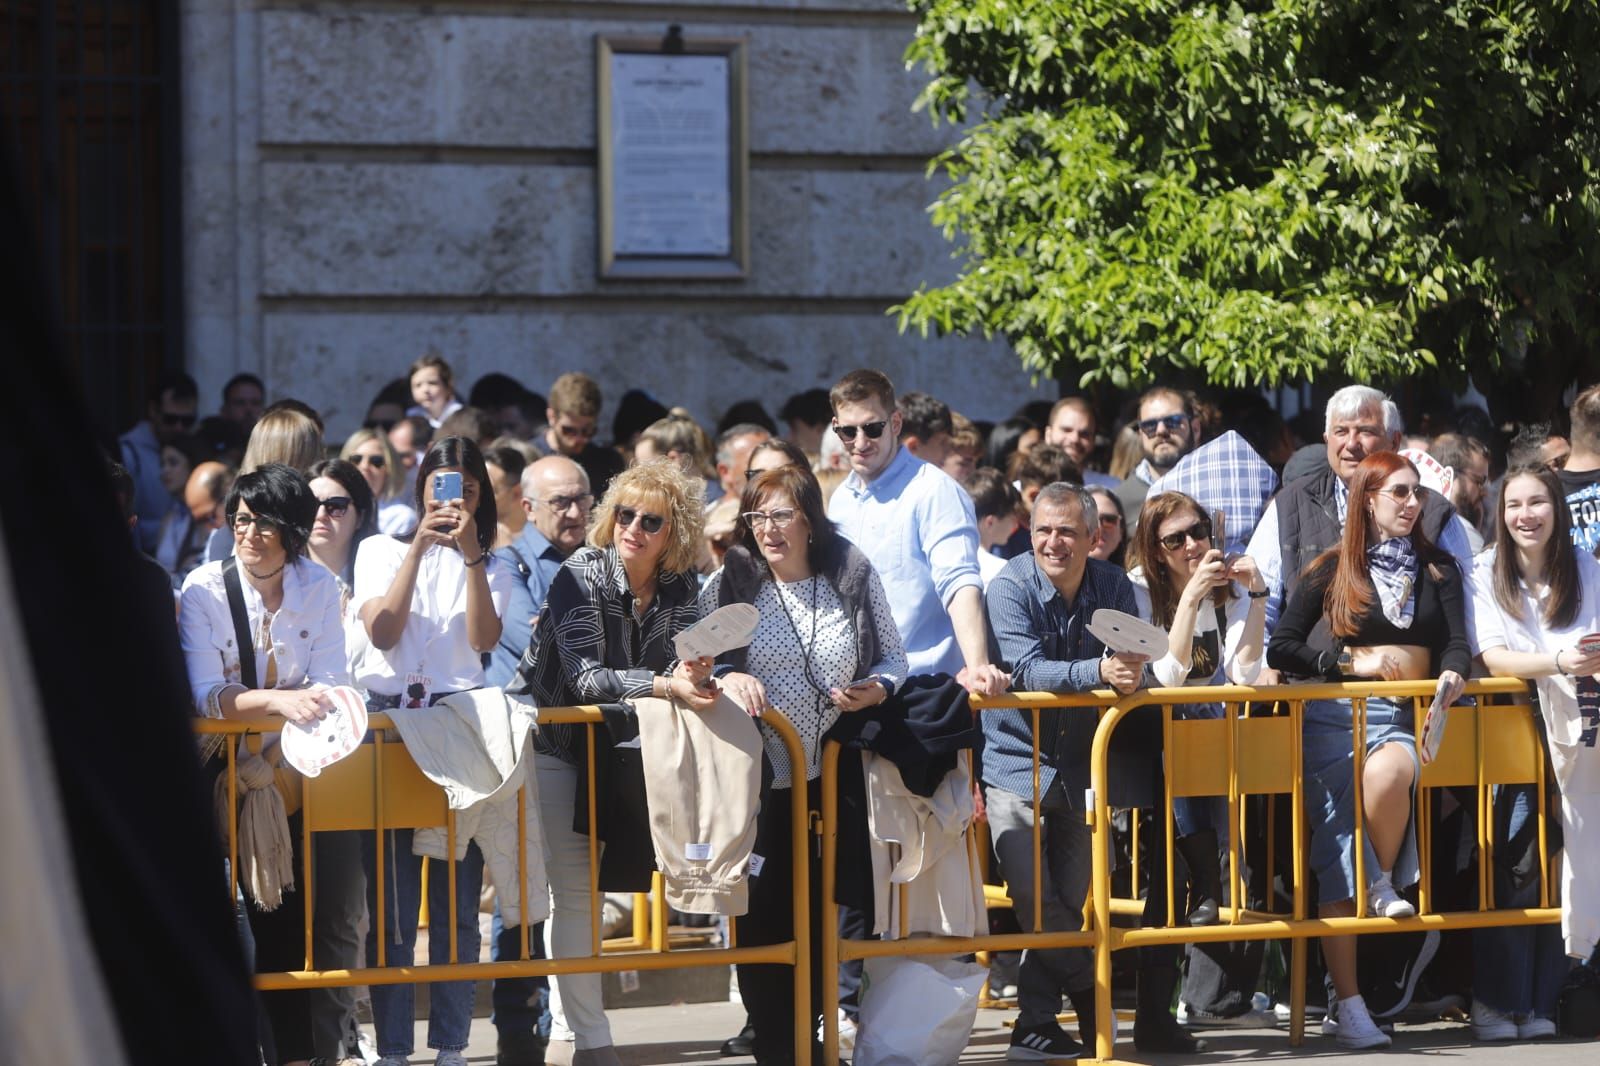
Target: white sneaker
<point x="1534" y="1027"/>
<point x="1386" y="902"/>
<point x="1356" y="1029"/>
<point x="450" y="1058"/>
<point x="1490" y="1024"/>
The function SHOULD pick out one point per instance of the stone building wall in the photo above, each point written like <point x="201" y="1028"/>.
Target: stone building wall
<point x="364" y="181"/>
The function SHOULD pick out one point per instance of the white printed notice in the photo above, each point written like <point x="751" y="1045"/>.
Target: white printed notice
<point x="670" y="147"/>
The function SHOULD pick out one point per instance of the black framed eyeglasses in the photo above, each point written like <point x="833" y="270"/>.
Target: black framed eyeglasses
<point x="873" y="430"/>
<point x="650" y="523"/>
<point x="1173" y="423"/>
<point x="1200" y="533"/>
<point x="336" y="506"/>
<point x="265" y="526"/>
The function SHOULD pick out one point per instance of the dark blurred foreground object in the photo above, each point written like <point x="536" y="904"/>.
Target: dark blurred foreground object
<point x="121" y="945"/>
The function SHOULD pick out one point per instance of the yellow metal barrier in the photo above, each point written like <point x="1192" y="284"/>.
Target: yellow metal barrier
<point x="379" y="787"/>
<point x="1232" y="756"/>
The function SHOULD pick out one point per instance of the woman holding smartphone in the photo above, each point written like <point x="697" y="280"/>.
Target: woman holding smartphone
<point x="1538" y="611"/>
<point x="1182" y="584"/>
<point x="430" y="604"/>
<point x="1396" y="609"/>
<point x="604" y="636"/>
<point x="826" y="645"/>
<point x="293" y="650"/>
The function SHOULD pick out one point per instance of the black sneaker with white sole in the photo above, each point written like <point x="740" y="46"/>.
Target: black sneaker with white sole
<point x="1042" y="1043"/>
<point x="1389" y="986"/>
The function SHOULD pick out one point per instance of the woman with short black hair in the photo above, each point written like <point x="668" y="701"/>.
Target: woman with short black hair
<point x="295" y="651"/>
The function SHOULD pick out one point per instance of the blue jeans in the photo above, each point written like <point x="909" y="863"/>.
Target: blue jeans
<point x="521" y="1004"/>
<point x="450" y="1002"/>
<point x="1518" y="970"/>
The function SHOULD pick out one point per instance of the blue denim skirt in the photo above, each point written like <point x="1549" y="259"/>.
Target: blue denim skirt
<point x="1329" y="756"/>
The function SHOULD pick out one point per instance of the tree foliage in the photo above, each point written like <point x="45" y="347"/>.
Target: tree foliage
<point x="1265" y="191"/>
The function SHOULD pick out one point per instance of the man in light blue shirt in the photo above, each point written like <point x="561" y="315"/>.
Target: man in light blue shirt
<point x="917" y="527"/>
<point x="556" y="497"/>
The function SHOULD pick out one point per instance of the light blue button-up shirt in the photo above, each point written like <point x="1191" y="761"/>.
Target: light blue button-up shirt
<point x="918" y="528"/>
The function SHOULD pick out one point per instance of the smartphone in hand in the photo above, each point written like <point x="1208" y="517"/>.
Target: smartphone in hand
<point x="447" y="486"/>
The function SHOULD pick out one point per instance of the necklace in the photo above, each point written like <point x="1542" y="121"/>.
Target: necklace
<point x="267" y="576"/>
<point x="806" y="654"/>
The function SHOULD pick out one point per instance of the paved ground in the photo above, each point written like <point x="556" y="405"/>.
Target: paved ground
<point x="691" y="1034"/>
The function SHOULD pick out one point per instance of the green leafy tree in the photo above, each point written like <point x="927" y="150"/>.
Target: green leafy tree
<point x="1268" y="191"/>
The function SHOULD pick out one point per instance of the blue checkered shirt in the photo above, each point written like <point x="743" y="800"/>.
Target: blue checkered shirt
<point x="1046" y="644"/>
<point x="1224" y="473"/>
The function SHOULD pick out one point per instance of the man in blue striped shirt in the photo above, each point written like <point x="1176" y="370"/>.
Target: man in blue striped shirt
<point x="1040" y="606"/>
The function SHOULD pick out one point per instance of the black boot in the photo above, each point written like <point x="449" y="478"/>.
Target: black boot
<point x="1155" y="1030"/>
<point x="1200" y="854"/>
<point x="1083" y="1004"/>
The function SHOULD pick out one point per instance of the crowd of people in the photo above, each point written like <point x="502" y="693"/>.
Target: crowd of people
<point x="900" y="556"/>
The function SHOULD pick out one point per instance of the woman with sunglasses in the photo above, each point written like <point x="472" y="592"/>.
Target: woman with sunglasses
<point x="296" y="638"/>
<point x="1395" y="607"/>
<point x="604" y="636"/>
<point x="346" y="516"/>
<point x="1537" y="598"/>
<point x="1111" y="539"/>
<point x="370" y="452"/>
<point x="1184" y="585"/>
<point x="826" y="645"/>
<point x="430" y="604"/>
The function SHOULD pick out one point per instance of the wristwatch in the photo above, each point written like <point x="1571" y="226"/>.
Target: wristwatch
<point x="1346" y="662"/>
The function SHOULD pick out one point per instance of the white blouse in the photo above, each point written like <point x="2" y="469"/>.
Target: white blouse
<point x="305" y="636"/>
<point x="434" y="642"/>
<point x="1169" y="673"/>
<point x="804" y="623"/>
<point x="1576" y="761"/>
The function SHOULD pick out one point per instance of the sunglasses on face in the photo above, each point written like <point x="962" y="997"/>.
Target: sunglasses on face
<point x="562" y="504"/>
<point x="873" y="430"/>
<point x="778" y="519"/>
<point x="336" y="506"/>
<point x="177" y="421"/>
<point x="1402" y="493"/>
<point x="1111" y="521"/>
<point x="377" y="462"/>
<point x="384" y="424"/>
<point x="576" y="432"/>
<point x="1173" y="423"/>
<point x="650" y="523"/>
<point x="1200" y="533"/>
<point x="265" y="526"/>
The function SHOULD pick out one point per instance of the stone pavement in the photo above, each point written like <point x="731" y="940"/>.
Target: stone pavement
<point x="691" y="1033"/>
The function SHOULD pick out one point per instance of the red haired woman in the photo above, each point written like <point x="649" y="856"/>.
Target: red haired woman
<point x="1388" y="605"/>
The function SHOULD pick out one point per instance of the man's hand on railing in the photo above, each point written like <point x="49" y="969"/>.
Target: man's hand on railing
<point x="984" y="679"/>
<point x="1122" y="671"/>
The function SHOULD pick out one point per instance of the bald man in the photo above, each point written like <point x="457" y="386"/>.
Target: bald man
<point x="203" y="494"/>
<point x="556" y="500"/>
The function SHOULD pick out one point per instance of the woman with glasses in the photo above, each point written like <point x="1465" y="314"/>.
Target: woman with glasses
<point x="369" y="451"/>
<point x="1184" y="585"/>
<point x="346" y="516"/>
<point x="1394" y="608"/>
<point x="296" y="650"/>
<point x="1537" y="599"/>
<point x="826" y="645"/>
<point x="431" y="605"/>
<point x="605" y="635"/>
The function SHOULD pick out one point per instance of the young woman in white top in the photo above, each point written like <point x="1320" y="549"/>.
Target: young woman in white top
<point x="297" y="647"/>
<point x="431" y="607"/>
<point x="1183" y="584"/>
<point x="1536" y="597"/>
